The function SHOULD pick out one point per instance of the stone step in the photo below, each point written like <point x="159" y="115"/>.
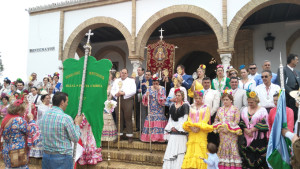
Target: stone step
<point x="134" y="156"/>
<point x="136" y="145"/>
<point x="117" y="165"/>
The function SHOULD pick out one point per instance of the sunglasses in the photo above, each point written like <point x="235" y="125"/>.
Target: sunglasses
<point x="232" y="73"/>
<point x="252" y="68"/>
<point x="264" y="77"/>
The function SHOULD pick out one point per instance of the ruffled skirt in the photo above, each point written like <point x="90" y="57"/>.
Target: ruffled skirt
<point x="175" y="151"/>
<point x="157" y="126"/>
<point x="109" y="132"/>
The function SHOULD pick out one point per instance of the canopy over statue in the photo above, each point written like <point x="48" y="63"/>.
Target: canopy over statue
<point x="95" y="91"/>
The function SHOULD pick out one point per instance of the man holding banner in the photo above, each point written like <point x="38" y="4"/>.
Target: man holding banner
<point x="58" y="131"/>
<point x="123" y="91"/>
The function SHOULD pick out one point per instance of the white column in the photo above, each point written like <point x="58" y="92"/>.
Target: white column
<point x="136" y="64"/>
<point x="225" y="58"/>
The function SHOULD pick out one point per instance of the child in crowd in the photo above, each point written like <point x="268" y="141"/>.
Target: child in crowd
<point x="213" y="159"/>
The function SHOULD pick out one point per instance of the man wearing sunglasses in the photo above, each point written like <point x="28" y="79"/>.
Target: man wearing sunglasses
<point x="266" y="90"/>
<point x="266" y="66"/>
<point x="252" y="71"/>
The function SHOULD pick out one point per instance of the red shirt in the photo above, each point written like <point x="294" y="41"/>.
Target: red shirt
<point x="289" y="116"/>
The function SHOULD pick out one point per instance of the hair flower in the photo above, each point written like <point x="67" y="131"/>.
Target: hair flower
<point x="202" y="66"/>
<point x="220" y="66"/>
<point x="242" y="67"/>
<point x="176" y="90"/>
<point x="18" y="102"/>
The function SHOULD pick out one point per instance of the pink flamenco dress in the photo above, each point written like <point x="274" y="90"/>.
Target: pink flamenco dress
<point x="91" y="154"/>
<point x="228" y="151"/>
<point x="158" y="120"/>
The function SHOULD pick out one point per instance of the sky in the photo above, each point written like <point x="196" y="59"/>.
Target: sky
<point x="14" y="31"/>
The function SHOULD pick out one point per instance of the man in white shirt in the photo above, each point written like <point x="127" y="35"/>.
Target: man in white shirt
<point x="239" y="95"/>
<point x="211" y="97"/>
<point x="33" y="82"/>
<point x="124" y="89"/>
<point x="252" y="71"/>
<point x="266" y="91"/>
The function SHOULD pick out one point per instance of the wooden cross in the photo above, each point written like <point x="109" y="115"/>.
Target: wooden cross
<point x="161" y="33"/>
<point x="89" y="34"/>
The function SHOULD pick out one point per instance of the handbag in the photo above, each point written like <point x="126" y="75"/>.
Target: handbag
<point x="18" y="157"/>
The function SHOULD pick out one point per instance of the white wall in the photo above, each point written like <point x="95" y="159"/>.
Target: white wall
<point x="43" y="32"/>
<point x="233" y="6"/>
<point x="281" y="31"/>
<point x="120" y="12"/>
<point x="147" y="8"/>
<point x="296" y="50"/>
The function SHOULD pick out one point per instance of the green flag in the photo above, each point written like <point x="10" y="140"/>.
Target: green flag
<point x="95" y="90"/>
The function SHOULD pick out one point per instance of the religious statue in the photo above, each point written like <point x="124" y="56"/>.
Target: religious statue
<point x="160" y="55"/>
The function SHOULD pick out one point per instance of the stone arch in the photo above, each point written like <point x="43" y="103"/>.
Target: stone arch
<point x="107" y="49"/>
<point x="291" y="40"/>
<point x="172" y="12"/>
<point x="92" y="23"/>
<point x="246" y="11"/>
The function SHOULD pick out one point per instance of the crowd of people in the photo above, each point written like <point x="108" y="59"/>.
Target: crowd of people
<point x="223" y="122"/>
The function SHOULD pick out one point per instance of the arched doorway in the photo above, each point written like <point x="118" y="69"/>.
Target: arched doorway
<point x="281" y="18"/>
<point x="105" y="30"/>
<point x="192" y="60"/>
<point x="181" y="14"/>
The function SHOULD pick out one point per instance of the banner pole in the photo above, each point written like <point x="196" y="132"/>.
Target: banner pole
<point x="119" y="120"/>
<point x="141" y="109"/>
<point x="87" y="50"/>
<point x="149" y="117"/>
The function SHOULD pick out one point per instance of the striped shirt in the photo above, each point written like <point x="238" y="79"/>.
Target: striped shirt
<point x="58" y="130"/>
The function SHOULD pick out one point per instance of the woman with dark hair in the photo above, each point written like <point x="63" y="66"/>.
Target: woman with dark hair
<point x="18" y="134"/>
<point x="158" y="121"/>
<point x="254" y="123"/>
<point x="227" y="125"/>
<point x="175" y="134"/>
<point x="37" y="151"/>
<point x="6" y="86"/>
<point x="57" y="86"/>
<point x="4" y="106"/>
<point x="109" y="132"/>
<point x="45" y="85"/>
<point x="245" y="82"/>
<point x="220" y="83"/>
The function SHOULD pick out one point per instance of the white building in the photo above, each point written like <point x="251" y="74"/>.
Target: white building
<point x="230" y="31"/>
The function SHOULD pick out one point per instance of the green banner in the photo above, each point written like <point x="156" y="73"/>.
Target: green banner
<point x="95" y="90"/>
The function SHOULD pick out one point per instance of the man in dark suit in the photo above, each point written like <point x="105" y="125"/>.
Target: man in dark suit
<point x="291" y="81"/>
<point x="166" y="82"/>
<point x="138" y="79"/>
<point x="142" y="89"/>
<point x="187" y="80"/>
